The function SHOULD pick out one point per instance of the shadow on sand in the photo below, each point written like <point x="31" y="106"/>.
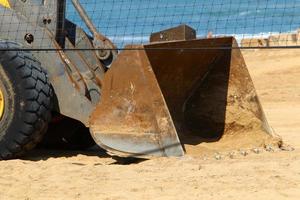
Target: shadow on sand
<point x="45" y="154"/>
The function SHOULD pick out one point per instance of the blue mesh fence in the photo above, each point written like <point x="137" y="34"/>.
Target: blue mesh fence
<point x="132" y="21"/>
<point x="255" y="23"/>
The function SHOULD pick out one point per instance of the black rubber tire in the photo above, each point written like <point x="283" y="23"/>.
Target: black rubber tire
<point x="28" y="101"/>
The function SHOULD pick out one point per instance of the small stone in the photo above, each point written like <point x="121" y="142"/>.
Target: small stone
<point x="243" y="152"/>
<point x="256" y="150"/>
<point x="218" y="157"/>
<point x="269" y="148"/>
<point x="231" y="155"/>
<point x="287" y="148"/>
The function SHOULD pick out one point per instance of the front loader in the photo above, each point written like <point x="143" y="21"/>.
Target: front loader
<point x="176" y="95"/>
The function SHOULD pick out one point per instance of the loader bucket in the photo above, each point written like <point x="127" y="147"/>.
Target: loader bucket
<point x="169" y="98"/>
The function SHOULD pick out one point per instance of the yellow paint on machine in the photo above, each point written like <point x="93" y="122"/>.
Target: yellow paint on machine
<point x="1" y="104"/>
<point x="5" y="3"/>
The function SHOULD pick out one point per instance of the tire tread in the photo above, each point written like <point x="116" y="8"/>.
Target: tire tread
<point x="38" y="100"/>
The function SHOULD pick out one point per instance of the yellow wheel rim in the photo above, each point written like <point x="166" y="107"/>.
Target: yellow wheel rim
<point x="1" y="104"/>
<point x="5" y="3"/>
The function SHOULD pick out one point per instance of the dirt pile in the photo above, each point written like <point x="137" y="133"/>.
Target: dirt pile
<point x="228" y="108"/>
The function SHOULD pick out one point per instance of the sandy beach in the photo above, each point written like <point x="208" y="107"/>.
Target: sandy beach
<point x="96" y="175"/>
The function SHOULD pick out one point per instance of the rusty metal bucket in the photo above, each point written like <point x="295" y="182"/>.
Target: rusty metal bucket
<point x="163" y="98"/>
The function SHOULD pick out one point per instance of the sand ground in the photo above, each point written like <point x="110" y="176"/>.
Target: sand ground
<point x="267" y="175"/>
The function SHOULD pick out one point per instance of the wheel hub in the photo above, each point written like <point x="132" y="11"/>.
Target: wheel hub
<point x="1" y="104"/>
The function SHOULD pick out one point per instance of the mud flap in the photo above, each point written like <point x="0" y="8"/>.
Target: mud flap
<point x="166" y="97"/>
